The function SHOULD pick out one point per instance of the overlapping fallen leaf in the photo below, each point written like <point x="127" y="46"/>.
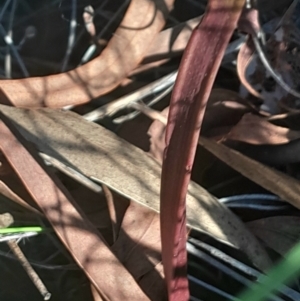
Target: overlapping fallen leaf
<point x="71" y="225"/>
<point x="134" y="234"/>
<point x="142" y="22"/>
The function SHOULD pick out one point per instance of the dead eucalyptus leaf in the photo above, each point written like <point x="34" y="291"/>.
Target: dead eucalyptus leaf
<point x="6" y="191"/>
<point x="138" y="247"/>
<point x="262" y="131"/>
<point x="124" y="168"/>
<point x="141" y="23"/>
<point x="280" y="233"/>
<point x="70" y="224"/>
<point x="276" y="182"/>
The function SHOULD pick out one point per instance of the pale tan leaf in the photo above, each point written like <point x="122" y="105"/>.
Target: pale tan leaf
<point x="100" y="154"/>
<point x="262" y="131"/>
<point x="276" y="182"/>
<point x="70" y="224"/>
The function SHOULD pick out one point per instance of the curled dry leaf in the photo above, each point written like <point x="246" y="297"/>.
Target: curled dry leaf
<point x="224" y="109"/>
<point x="262" y="131"/>
<point x="143" y="20"/>
<point x="81" y="238"/>
<point x="280" y="233"/>
<point x="244" y="58"/>
<point x="284" y="68"/>
<point x="6" y="191"/>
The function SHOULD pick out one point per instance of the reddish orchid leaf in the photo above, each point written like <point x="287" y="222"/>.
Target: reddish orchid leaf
<point x="197" y="72"/>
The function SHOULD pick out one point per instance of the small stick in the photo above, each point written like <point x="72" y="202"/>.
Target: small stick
<point x="29" y="270"/>
<point x="6" y="220"/>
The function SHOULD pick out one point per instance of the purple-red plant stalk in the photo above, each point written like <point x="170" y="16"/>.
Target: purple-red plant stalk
<point x="197" y="72"/>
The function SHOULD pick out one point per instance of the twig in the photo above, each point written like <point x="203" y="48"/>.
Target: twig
<point x="210" y="288"/>
<point x="29" y="270"/>
<point x="114" y="106"/>
<point x="135" y="104"/>
<point x="161" y="84"/>
<point x="294" y="295"/>
<point x="5" y="221"/>
<point x="223" y="268"/>
<point x="8" y="40"/>
<point x="7" y="61"/>
<point x="153" y="114"/>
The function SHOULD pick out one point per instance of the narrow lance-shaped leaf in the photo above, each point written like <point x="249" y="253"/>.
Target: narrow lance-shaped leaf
<point x="197" y="72"/>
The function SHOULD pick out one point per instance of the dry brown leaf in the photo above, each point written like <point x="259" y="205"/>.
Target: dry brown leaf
<point x="290" y="120"/>
<point x="262" y="131"/>
<point x="124" y="168"/>
<point x="224" y="108"/>
<point x="95" y="207"/>
<point x="11" y="187"/>
<point x="157" y="132"/>
<point x="244" y="58"/>
<point x="138" y="247"/>
<point x="141" y="23"/>
<point x="81" y="238"/>
<point x="280" y="233"/>
<point x="6" y="191"/>
<point x="276" y="182"/>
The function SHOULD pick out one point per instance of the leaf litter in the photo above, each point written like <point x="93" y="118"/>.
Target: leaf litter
<point x="119" y="204"/>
